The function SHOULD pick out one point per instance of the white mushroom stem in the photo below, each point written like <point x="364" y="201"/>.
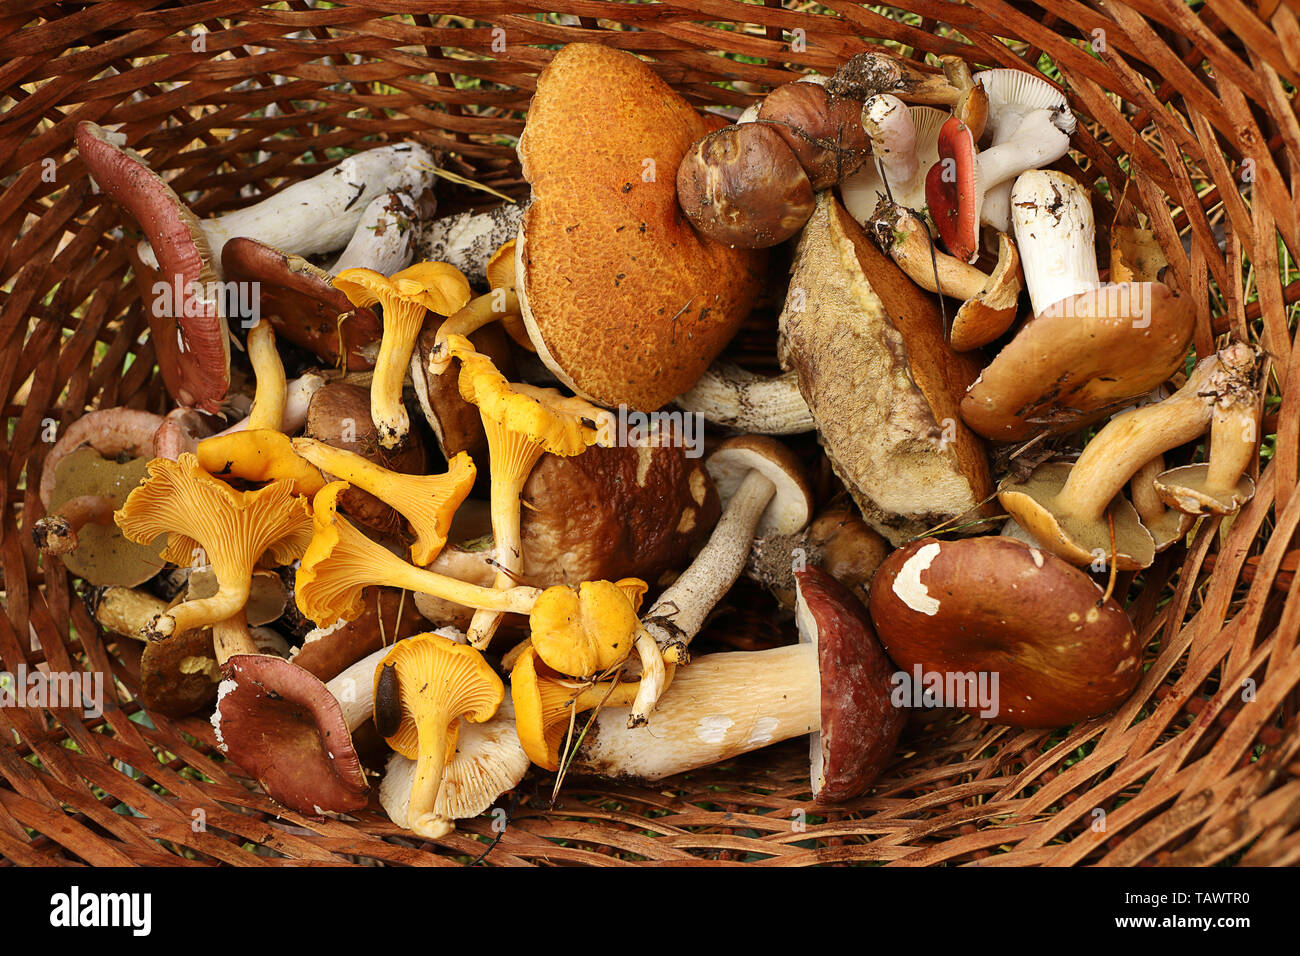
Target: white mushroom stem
<point x="734" y="397"/>
<point x="678" y="615"/>
<point x="888" y="121"/>
<point x="297" y="401"/>
<point x="722" y="706"/>
<point x="1055" y="235"/>
<point x="385" y="237"/>
<point x="354" y="688"/>
<point x="320" y="214"/>
<point x="1037" y="142"/>
<point x="467" y="240"/>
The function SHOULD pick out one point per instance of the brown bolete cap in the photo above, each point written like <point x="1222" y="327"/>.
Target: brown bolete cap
<point x="882" y="384"/>
<point x="303" y="306"/>
<point x="791" y="505"/>
<point x="390" y="614"/>
<point x="1079" y="360"/>
<point x="190" y="337"/>
<point x="837" y="540"/>
<point x="995" y="606"/>
<point x="823" y="130"/>
<point x="860" y="726"/>
<point x="283" y="726"/>
<point x="624" y="301"/>
<point x="456" y="423"/>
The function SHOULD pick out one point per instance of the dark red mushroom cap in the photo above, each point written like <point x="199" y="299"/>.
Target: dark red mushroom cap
<point x="195" y="363"/>
<point x="997" y="606"/>
<point x="860" y="725"/>
<point x="283" y="726"/>
<point x="952" y="191"/>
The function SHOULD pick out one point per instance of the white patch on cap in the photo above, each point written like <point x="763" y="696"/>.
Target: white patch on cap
<point x="1037" y="556"/>
<point x="907" y="583"/>
<point x="762" y="733"/>
<point x="712" y="730"/>
<point x="224" y="688"/>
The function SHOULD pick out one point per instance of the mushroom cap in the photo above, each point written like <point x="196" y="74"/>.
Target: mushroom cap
<point x="283" y="726"/>
<point x="954" y="193"/>
<point x="192" y="342"/>
<point x="1187" y="489"/>
<point x="390" y="615"/>
<point x="860" y="726"/>
<point x="585" y="631"/>
<point x="983" y="318"/>
<point x="1030" y="503"/>
<point x="792" y="505"/>
<point x="104" y="555"/>
<point x="1080" y="360"/>
<point x="996" y="606"/>
<point x="823" y="131"/>
<point x="604" y="246"/>
<point x="302" y="304"/>
<point x="1015" y="93"/>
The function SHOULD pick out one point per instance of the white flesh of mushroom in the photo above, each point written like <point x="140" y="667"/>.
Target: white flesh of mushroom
<point x="1055" y="235"/>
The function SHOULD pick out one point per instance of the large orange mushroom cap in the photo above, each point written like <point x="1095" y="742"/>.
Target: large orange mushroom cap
<point x="606" y="249"/>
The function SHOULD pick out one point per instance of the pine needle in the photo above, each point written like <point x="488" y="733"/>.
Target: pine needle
<point x="460" y="180"/>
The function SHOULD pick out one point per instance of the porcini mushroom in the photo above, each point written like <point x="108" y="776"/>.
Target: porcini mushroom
<point x="833" y="685"/>
<point x="992" y="606"/>
<point x="405" y="297"/>
<point x="631" y="306"/>
<point x="823" y="130"/>
<point x="1088" y="349"/>
<point x="234" y="530"/>
<point x="1068" y="509"/>
<point x="424" y="687"/>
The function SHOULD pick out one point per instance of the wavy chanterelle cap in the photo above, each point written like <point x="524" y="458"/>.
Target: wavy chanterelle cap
<point x="209" y="522"/>
<point x="585" y="631"/>
<point x="423" y="688"/>
<point x="405" y="296"/>
<point x="546" y="704"/>
<point x="341" y="562"/>
<point x="258" y="454"/>
<point x="522" y="423"/>
<point x="427" y="502"/>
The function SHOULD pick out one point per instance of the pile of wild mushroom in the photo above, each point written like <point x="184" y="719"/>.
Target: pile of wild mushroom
<point x="397" y="537"/>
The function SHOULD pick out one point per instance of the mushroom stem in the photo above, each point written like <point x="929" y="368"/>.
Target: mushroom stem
<point x="499" y="304"/>
<point x="907" y="241"/>
<point x="1233" y="435"/>
<point x="1130" y="440"/>
<point x="1036" y="143"/>
<point x="1054" y="226"/>
<point x="204" y="612"/>
<point x="734" y="397"/>
<point x="722" y="706"/>
<point x="126" y="611"/>
<point x="354" y="688"/>
<point x="270" y="397"/>
<point x="506" y="534"/>
<point x="57" y="533"/>
<point x="230" y="636"/>
<point x="384" y="236"/>
<point x="1142" y="491"/>
<point x="401" y="327"/>
<point x="297" y="400"/>
<point x="888" y="122"/>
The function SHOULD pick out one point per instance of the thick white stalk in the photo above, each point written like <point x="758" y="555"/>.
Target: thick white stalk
<point x="1054" y="234"/>
<point x="385" y="237"/>
<point x="354" y="688"/>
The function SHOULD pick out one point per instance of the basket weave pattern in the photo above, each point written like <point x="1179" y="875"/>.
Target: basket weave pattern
<point x="1184" y="111"/>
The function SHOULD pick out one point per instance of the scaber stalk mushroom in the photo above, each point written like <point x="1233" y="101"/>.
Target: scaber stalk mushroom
<point x="489" y="761"/>
<point x="341" y="561"/>
<point x="905" y="143"/>
<point x="1068" y="509"/>
<point x="522" y="423"/>
<point x="743" y="186"/>
<point x="881" y="382"/>
<point x="956" y="185"/>
<point x="988" y="302"/>
<point x="838" y="541"/>
<point x="1221" y="485"/>
<point x="302" y="304"/>
<point x="968" y="611"/>
<point x="424" y="687"/>
<point x="427" y="502"/>
<point x="78" y="525"/>
<point x="234" y="529"/>
<point x="186" y="322"/>
<point x="1013" y="95"/>
<point x="339" y="416"/>
<point x="384" y="237"/>
<point x="466" y="240"/>
<point x="405" y="297"/>
<point x="736" y="398"/>
<point x="631" y="306"/>
<point x="765" y="492"/>
<point x="833" y="685"/>
<point x="1088" y="349"/>
<point x="823" y="131"/>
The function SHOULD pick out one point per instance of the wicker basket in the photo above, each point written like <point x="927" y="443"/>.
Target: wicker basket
<point x="1190" y="102"/>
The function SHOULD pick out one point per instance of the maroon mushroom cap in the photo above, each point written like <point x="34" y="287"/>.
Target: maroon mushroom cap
<point x="302" y="304"/>
<point x="998" y="607"/>
<point x="283" y="726"/>
<point x="951" y="191"/>
<point x="190" y="337"/>
<point x="860" y="724"/>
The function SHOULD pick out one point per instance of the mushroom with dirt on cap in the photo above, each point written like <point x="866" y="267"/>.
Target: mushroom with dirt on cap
<point x="994" y="606"/>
